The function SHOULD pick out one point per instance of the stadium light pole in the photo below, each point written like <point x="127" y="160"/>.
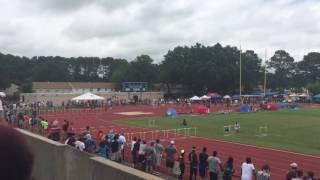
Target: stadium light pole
<point x="240" y="73"/>
<point x="265" y="74"/>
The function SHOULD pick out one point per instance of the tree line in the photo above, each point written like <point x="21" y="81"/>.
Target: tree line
<point x="197" y="68"/>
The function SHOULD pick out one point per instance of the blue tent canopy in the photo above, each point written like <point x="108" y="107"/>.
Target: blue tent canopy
<point x="171" y="112"/>
<point x="245" y="108"/>
<point x="268" y="94"/>
<point x="316" y="96"/>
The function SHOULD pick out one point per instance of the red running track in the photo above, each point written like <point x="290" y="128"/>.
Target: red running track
<point x="279" y="160"/>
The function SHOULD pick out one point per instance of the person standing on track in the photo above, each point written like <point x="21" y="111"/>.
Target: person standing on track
<point x="193" y="159"/>
<point x="247" y="169"/>
<point x="228" y="169"/>
<point x="214" y="166"/>
<point x="135" y="151"/>
<point x="264" y="173"/>
<point x="203" y="164"/>
<point x="181" y="164"/>
<point x="170" y="152"/>
<point x="122" y="142"/>
<point x="158" y="149"/>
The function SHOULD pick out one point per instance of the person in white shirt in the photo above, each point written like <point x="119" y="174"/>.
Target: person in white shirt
<point x="247" y="169"/>
<point x="122" y="141"/>
<point x="1" y="112"/>
<point x="79" y="145"/>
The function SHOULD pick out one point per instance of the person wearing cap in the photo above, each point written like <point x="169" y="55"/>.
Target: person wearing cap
<point x="193" y="159"/>
<point x="181" y="164"/>
<point x="293" y="172"/>
<point x="170" y="152"/>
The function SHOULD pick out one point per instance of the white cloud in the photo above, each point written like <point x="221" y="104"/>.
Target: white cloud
<point x="127" y="28"/>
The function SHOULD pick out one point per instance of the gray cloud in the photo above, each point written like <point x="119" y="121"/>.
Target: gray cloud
<point x="127" y="28"/>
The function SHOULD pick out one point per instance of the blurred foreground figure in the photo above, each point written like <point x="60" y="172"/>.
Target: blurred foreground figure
<point x="15" y="156"/>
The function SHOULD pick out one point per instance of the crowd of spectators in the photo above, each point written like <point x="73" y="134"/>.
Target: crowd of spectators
<point x="147" y="156"/>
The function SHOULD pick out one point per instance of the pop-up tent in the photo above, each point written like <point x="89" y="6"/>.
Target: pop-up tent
<point x="2" y="94"/>
<point x="316" y="96"/>
<point x="195" y="98"/>
<point x="245" y="108"/>
<point x="226" y="97"/>
<point x="171" y="112"/>
<point x="201" y="109"/>
<point x="88" y="97"/>
<point x="272" y="106"/>
<point x="204" y="97"/>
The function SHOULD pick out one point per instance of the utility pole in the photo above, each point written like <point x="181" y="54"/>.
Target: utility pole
<point x="240" y="73"/>
<point x="265" y="74"/>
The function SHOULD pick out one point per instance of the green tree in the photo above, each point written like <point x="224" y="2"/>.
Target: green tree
<point x="309" y="67"/>
<point x="283" y="67"/>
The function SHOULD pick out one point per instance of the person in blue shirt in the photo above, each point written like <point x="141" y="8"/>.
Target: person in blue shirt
<point x="90" y="144"/>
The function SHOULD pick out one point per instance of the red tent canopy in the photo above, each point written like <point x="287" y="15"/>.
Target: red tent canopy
<point x="272" y="106"/>
<point x="201" y="109"/>
<point x="213" y="95"/>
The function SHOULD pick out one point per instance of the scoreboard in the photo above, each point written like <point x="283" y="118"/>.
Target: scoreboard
<point x="134" y="86"/>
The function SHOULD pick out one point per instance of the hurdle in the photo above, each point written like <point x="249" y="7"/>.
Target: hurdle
<point x="263" y="131"/>
<point x="228" y="130"/>
<point x="151" y="123"/>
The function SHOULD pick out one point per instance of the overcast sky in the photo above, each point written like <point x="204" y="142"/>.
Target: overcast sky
<point x="127" y="28"/>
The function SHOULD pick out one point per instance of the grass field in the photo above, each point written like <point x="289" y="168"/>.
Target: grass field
<point x="292" y="130"/>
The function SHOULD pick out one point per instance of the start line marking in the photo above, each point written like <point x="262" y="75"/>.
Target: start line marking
<point x="134" y="113"/>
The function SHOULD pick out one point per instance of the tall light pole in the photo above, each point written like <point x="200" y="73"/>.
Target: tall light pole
<point x="265" y="74"/>
<point x="240" y="73"/>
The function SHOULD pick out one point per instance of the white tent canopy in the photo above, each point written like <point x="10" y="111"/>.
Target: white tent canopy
<point x="226" y="97"/>
<point x="2" y="94"/>
<point x="87" y="97"/>
<point x="195" y="98"/>
<point x="204" y="97"/>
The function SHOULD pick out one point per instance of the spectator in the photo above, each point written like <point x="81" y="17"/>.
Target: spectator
<point x="103" y="148"/>
<point x="170" y="152"/>
<point x="228" y="169"/>
<point x="114" y="149"/>
<point x="149" y="155"/>
<point x="247" y="169"/>
<point x="15" y="156"/>
<point x="87" y="131"/>
<point x="1" y="111"/>
<point x="141" y="153"/>
<point x="71" y="130"/>
<point x="110" y="135"/>
<point x="158" y="149"/>
<point x="71" y="141"/>
<point x="135" y="150"/>
<point x="310" y="176"/>
<point x="90" y="144"/>
<point x="293" y="172"/>
<point x="193" y="163"/>
<point x="79" y="145"/>
<point x="264" y="173"/>
<point x="181" y="164"/>
<point x="65" y="127"/>
<point x="214" y="165"/>
<point x="299" y="175"/>
<point x="101" y="137"/>
<point x="203" y="164"/>
<point x="122" y="142"/>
